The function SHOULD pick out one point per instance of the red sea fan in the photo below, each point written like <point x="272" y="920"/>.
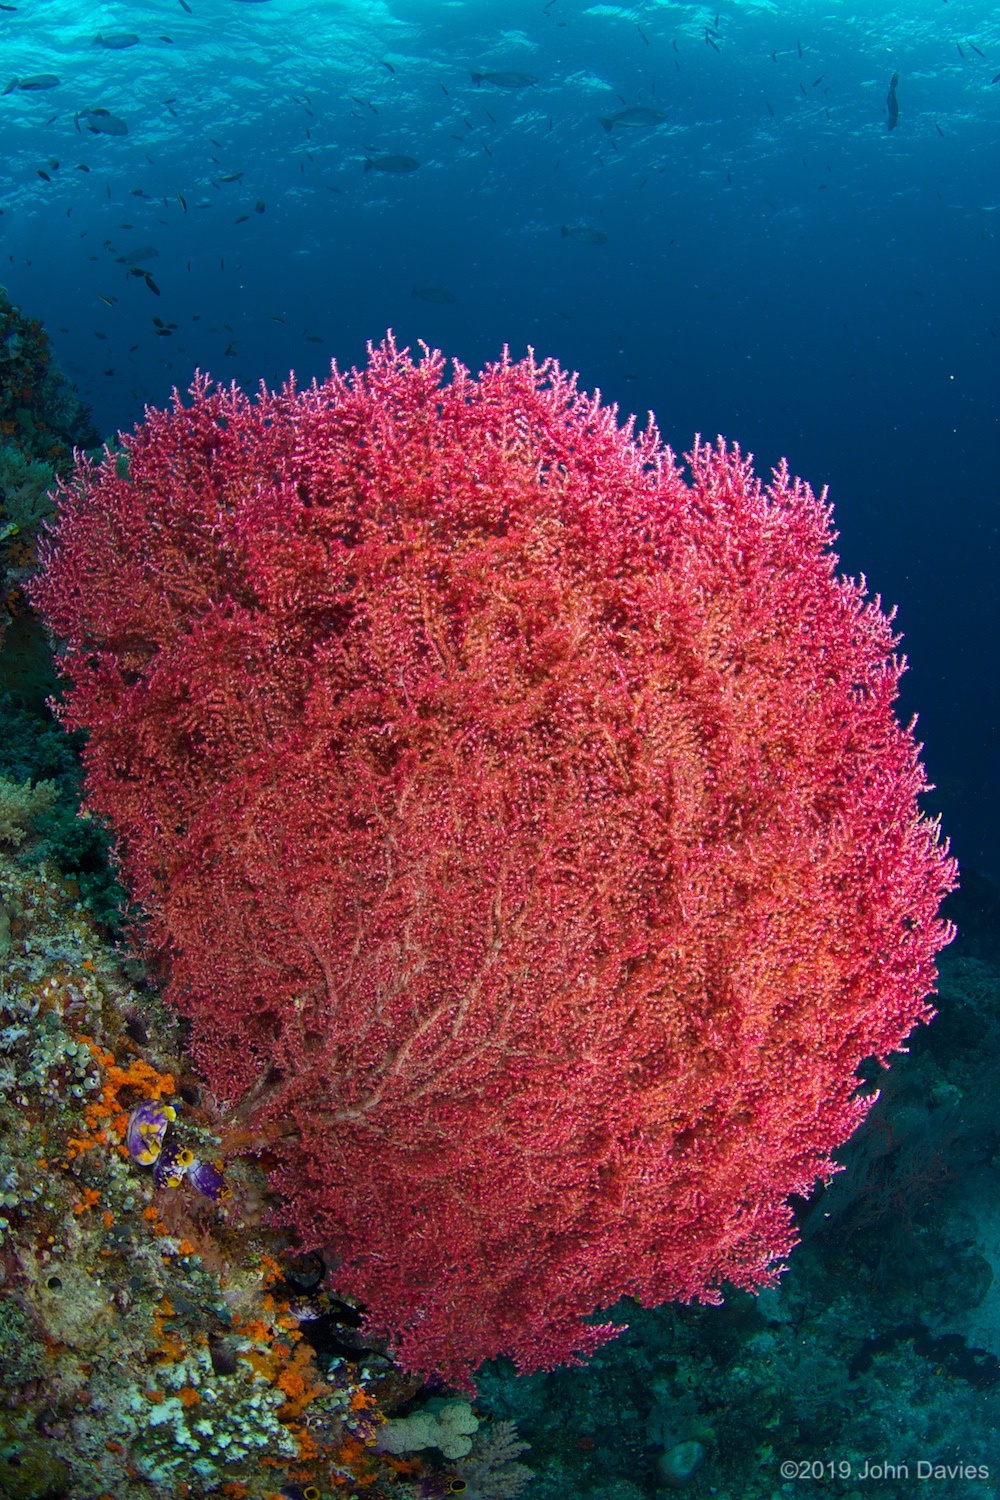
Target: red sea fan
<point x="524" y="827"/>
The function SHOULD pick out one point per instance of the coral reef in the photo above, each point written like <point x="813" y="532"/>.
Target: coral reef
<point x="41" y="422"/>
<point x="40" y="413"/>
<point x="490" y="1470"/>
<point x="447" y="1425"/>
<point x="151" y="1346"/>
<point x="881" y="1344"/>
<point x="523" y="827"/>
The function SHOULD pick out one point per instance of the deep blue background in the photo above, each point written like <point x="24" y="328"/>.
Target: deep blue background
<point x="779" y="268"/>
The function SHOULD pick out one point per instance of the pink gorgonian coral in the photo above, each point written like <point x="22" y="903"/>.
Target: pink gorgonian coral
<point x="522" y="823"/>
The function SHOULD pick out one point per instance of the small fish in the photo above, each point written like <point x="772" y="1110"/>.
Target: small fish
<point x="110" y="301"/>
<point x="81" y="166"/>
<point x="38" y="81"/>
<point x="182" y="201"/>
<point x="167" y="39"/>
<point x="230" y="177"/>
<point x="996" y="79"/>
<point x="505" y="80"/>
<point x="818" y="81"/>
<point x="636" y="117"/>
<point x="390" y="164"/>
<point x="960" y="52"/>
<point x="8" y="7"/>
<point x="43" y="174"/>
<point x="976" y="50"/>
<point x="116" y="41"/>
<point x="151" y="284"/>
<point x="242" y="219"/>
<point x="584" y="234"/>
<point x="184" y="6"/>
<point x="937" y="127"/>
<point x="891" y="102"/>
<point x="259" y="206"/>
<point x="435" y="294"/>
<point x="387" y="65"/>
<point x="313" y="338"/>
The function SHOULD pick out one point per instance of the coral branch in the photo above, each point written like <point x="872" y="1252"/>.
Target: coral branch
<point x="523" y="825"/>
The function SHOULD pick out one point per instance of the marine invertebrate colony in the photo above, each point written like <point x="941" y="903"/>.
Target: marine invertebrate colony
<point x="524" y="827"/>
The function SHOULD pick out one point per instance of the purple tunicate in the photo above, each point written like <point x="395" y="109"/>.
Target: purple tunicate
<point x="171" y="1165"/>
<point x="147" y="1125"/>
<point x="208" y="1179"/>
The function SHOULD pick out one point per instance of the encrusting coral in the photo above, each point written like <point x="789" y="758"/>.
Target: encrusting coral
<point x="150" y="1344"/>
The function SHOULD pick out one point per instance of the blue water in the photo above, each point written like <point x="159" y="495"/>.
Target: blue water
<point x="780" y="267"/>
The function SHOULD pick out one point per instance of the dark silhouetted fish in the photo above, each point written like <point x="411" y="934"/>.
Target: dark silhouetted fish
<point x="636" y="117"/>
<point x="136" y="257"/>
<point x="117" y="41"/>
<point x="102" y="122"/>
<point x="36" y="82"/>
<point x="435" y="294"/>
<point x="390" y="164"/>
<point x="505" y="80"/>
<point x="584" y="234"/>
<point x="891" y="102"/>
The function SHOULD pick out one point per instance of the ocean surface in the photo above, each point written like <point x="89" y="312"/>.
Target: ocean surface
<point x="777" y="222"/>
